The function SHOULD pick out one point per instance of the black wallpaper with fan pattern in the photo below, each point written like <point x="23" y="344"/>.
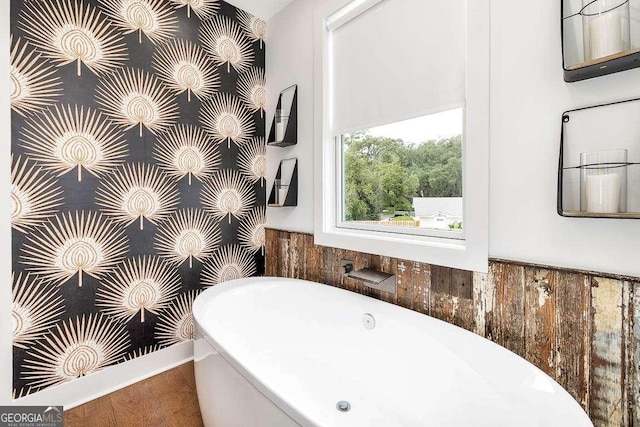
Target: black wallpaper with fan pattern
<point x="137" y="175"/>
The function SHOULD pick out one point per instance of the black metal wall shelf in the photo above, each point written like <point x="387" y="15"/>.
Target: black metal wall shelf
<point x="587" y="28"/>
<point x="284" y="191"/>
<point x="284" y="127"/>
<point x="603" y="66"/>
<point x="594" y="179"/>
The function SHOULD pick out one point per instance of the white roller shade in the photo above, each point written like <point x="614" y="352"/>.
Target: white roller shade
<point x="398" y="60"/>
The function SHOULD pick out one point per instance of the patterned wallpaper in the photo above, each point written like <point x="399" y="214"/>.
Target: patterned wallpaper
<point x="137" y="174"/>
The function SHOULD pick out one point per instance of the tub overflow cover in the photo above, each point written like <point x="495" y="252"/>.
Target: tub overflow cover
<point x="368" y="321"/>
<point x="343" y="406"/>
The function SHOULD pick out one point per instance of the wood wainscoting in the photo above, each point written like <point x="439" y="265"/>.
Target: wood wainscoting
<point x="581" y="328"/>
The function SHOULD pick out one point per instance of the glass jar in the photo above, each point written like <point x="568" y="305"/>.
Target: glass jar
<point x="281" y="125"/>
<point x="603" y="181"/>
<point x="606" y="28"/>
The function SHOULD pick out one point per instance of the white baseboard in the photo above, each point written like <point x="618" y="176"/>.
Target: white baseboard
<point x="110" y="379"/>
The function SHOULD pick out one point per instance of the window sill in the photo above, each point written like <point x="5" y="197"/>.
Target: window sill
<point x="445" y="252"/>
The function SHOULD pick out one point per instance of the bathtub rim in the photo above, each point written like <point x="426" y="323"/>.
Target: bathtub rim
<point x="297" y="415"/>
<point x="290" y="409"/>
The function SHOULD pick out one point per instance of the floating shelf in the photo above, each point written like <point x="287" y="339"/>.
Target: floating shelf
<point x="284" y="191"/>
<point x="590" y="183"/>
<point x="604" y="30"/>
<point x="284" y="127"/>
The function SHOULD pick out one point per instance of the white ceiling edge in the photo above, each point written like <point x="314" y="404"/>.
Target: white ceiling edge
<point x="263" y="9"/>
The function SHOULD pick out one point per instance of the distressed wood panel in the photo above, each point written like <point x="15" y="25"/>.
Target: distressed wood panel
<point x="606" y="352"/>
<point x="404" y="284"/>
<point x="635" y="357"/>
<point x="496" y="271"/>
<point x="421" y="277"/>
<point x="581" y="329"/>
<point x="440" y="280"/>
<point x="628" y="393"/>
<point x="442" y="304"/>
<point x="283" y="254"/>
<point x="462" y="294"/>
<point x="314" y="260"/>
<point x="509" y="325"/>
<point x="297" y="255"/>
<point x="461" y="284"/>
<point x="540" y="319"/>
<point x="413" y="281"/>
<point x="270" y="252"/>
<point x="484" y="294"/>
<point x="330" y="264"/>
<point x="573" y="324"/>
<point x="452" y="296"/>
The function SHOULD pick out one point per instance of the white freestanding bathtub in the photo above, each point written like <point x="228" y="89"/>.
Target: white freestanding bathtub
<point x="283" y="352"/>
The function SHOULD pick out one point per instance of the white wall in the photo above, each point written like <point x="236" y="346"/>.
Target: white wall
<point x="528" y="96"/>
<point x="290" y="61"/>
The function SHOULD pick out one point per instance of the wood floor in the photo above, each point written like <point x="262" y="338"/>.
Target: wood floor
<point x="167" y="399"/>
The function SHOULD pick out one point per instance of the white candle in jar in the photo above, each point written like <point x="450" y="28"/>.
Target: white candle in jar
<point x="605" y="34"/>
<point x="279" y="132"/>
<point x="603" y="193"/>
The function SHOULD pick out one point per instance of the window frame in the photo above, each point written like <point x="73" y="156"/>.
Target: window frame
<point x="470" y="253"/>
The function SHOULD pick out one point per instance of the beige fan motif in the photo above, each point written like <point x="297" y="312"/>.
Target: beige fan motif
<point x="136" y="285"/>
<point x="223" y="39"/>
<point x="175" y="324"/>
<point x="187" y="234"/>
<point x="184" y="66"/>
<point x="142" y="351"/>
<point x="186" y="151"/>
<point x="252" y="89"/>
<point x="73" y="31"/>
<point x="229" y="263"/>
<point x="255" y="27"/>
<point x="135" y="192"/>
<point x="34" y="84"/>
<point x="227" y="194"/>
<point x="35" y="195"/>
<point x="251" y="231"/>
<point x="252" y="160"/>
<point x="226" y="119"/>
<point x="203" y="8"/>
<point x="22" y="392"/>
<point x="74" y="349"/>
<point x="76" y="243"/>
<point x="154" y="18"/>
<point x="36" y="307"/>
<point x="136" y="98"/>
<point x="66" y="138"/>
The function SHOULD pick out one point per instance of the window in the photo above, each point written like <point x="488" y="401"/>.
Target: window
<point x="402" y="129"/>
<point x="404" y="177"/>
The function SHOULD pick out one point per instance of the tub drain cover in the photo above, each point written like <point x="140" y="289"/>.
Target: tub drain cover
<point x="343" y="406"/>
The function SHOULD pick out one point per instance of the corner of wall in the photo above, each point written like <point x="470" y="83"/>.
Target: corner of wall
<point x="5" y="218"/>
